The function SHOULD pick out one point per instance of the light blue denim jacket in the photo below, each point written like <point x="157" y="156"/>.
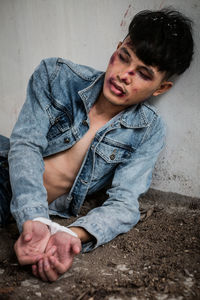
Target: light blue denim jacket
<point x="54" y="118"/>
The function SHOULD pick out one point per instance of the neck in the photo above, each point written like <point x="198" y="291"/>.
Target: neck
<point x="103" y="107"/>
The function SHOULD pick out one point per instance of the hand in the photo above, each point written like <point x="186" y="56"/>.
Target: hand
<point x="65" y="247"/>
<point x="32" y="242"/>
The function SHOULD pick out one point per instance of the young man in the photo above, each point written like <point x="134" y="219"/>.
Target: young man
<point x="80" y="129"/>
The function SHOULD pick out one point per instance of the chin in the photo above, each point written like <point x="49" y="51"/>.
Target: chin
<point x="112" y="97"/>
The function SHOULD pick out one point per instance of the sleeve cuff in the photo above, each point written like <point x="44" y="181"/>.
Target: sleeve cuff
<point x="29" y="213"/>
<point x="94" y="230"/>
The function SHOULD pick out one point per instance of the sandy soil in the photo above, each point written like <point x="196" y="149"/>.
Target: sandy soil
<point x="158" y="259"/>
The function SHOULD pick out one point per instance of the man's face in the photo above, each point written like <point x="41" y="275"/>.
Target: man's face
<point x="129" y="81"/>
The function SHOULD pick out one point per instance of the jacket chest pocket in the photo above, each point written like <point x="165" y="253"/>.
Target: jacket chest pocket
<point x="108" y="156"/>
<point x="60" y="122"/>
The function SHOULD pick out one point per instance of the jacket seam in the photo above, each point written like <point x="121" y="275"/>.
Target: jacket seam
<point x="149" y="128"/>
<point x="60" y="60"/>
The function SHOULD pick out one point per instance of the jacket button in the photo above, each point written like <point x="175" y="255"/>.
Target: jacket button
<point x="84" y="181"/>
<point x="84" y="122"/>
<point x="66" y="140"/>
<point x="112" y="156"/>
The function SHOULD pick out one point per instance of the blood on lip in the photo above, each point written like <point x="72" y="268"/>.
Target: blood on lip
<point x="116" y="86"/>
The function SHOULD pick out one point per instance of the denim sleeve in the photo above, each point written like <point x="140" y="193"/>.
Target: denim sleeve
<point x="27" y="143"/>
<point x="132" y="178"/>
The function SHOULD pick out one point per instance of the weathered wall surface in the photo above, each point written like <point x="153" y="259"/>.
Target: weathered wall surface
<point x="87" y="32"/>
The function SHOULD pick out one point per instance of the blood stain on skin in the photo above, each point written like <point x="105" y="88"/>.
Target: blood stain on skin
<point x="131" y="73"/>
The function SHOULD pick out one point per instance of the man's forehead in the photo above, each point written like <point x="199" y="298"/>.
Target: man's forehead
<point x="128" y="48"/>
<point x="127" y="43"/>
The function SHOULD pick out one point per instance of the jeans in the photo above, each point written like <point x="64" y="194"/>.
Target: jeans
<point x="5" y="192"/>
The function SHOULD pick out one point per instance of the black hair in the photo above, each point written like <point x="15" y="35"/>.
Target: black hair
<point x="163" y="39"/>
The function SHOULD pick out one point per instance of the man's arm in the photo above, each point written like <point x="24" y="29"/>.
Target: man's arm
<point x="117" y="215"/>
<point x="120" y="212"/>
<point x="26" y="166"/>
<point x="27" y="143"/>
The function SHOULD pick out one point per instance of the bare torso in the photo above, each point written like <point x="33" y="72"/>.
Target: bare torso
<point x="61" y="169"/>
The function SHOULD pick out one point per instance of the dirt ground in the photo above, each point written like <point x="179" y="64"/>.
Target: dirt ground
<point x="158" y="259"/>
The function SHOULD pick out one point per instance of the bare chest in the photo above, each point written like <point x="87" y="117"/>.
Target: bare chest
<point x="62" y="168"/>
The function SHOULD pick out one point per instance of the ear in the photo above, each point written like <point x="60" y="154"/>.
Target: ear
<point x="164" y="87"/>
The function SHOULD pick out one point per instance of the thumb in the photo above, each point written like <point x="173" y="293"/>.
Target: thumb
<point x="27" y="231"/>
<point x="76" y="248"/>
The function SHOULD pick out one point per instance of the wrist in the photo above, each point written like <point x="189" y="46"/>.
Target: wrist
<point x="82" y="234"/>
<point x="43" y="220"/>
<point x="55" y="227"/>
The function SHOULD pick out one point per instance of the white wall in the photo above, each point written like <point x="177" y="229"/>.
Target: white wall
<point x="87" y="32"/>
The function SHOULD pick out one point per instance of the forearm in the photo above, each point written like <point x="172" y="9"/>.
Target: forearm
<point x="28" y="143"/>
<point x="83" y="235"/>
<point x="106" y="222"/>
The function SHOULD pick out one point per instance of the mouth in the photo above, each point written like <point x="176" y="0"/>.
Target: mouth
<point x="115" y="88"/>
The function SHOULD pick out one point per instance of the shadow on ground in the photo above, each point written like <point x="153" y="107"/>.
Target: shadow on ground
<point x="158" y="259"/>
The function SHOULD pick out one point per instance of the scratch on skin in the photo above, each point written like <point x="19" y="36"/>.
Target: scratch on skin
<point x="125" y="15"/>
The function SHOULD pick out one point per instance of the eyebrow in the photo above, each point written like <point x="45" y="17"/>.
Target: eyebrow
<point x="147" y="69"/>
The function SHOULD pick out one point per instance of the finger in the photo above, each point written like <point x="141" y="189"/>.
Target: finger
<point x="29" y="260"/>
<point x="41" y="270"/>
<point x="76" y="249"/>
<point x="27" y="231"/>
<point x="50" y="273"/>
<point x="60" y="267"/>
<point x="75" y="246"/>
<point x="51" y="251"/>
<point x="35" y="271"/>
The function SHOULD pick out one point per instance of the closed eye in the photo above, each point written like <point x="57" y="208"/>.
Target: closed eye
<point x="123" y="58"/>
<point x="144" y="76"/>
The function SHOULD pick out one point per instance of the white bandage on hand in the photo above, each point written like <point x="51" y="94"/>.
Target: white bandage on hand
<point x="55" y="227"/>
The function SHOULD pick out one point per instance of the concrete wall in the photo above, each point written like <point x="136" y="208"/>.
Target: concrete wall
<point x="87" y="32"/>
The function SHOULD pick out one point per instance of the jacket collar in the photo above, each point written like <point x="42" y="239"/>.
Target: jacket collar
<point x="135" y="117"/>
<point x="91" y="92"/>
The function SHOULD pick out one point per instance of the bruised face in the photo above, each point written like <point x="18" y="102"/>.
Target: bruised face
<point x="129" y="81"/>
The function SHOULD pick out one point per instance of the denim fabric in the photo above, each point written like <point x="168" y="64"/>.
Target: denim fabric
<point x="55" y="117"/>
<point x="5" y="192"/>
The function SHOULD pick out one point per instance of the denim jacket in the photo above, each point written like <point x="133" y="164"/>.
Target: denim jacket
<point x="53" y="118"/>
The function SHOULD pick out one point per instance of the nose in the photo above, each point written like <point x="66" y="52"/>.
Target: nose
<point x="126" y="77"/>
